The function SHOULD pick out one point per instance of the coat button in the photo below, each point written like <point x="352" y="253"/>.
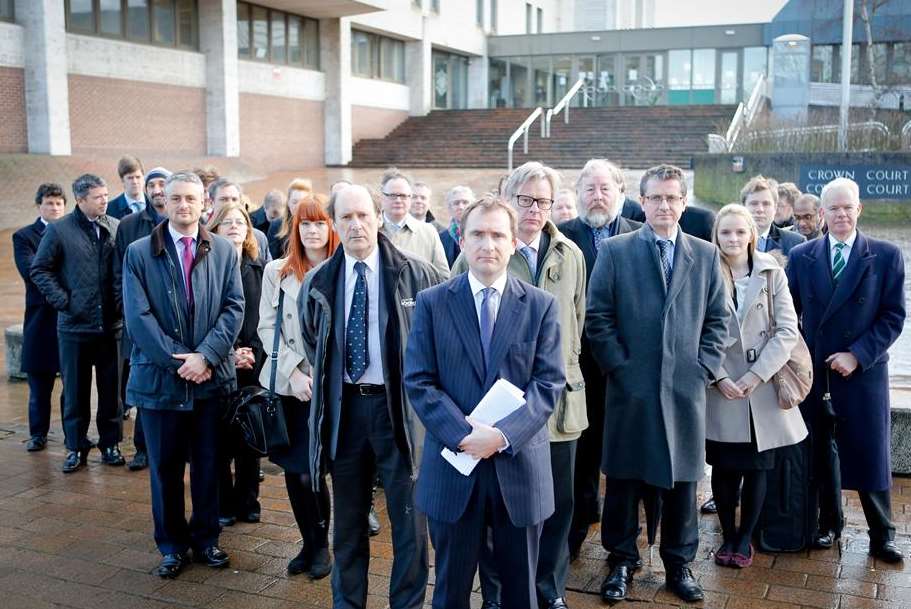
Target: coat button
<point x="288" y="316"/>
<point x="291" y="341"/>
<point x="860" y="300"/>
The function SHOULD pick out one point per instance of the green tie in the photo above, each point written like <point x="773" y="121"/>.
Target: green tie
<point x="838" y="264"/>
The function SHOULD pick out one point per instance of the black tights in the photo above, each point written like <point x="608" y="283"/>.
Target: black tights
<point x="725" y="489"/>
<point x="311" y="510"/>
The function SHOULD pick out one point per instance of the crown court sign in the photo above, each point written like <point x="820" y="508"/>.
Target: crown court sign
<point x="885" y="182"/>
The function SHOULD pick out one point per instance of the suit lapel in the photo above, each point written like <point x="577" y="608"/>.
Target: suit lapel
<point x="511" y="305"/>
<point x="858" y="263"/>
<point x="464" y="315"/>
<point x="339" y="322"/>
<point x="821" y="270"/>
<point x="683" y="262"/>
<point x="758" y="281"/>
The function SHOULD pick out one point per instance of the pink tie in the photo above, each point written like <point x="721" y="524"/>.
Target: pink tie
<point x="187" y="261"/>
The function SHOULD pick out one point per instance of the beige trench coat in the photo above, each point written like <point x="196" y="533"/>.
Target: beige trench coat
<point x="729" y="420"/>
<point x="290" y="345"/>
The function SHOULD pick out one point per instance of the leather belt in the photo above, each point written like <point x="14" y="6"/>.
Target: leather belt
<point x="365" y="389"/>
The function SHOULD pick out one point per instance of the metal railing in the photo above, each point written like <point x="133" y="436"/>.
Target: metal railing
<point x="868" y="135"/>
<point x="523" y="130"/>
<point x="563" y="103"/>
<point x="743" y="118"/>
<point x="906" y="136"/>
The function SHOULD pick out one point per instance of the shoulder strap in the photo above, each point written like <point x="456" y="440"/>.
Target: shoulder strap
<point x="768" y="293"/>
<point x="277" y="334"/>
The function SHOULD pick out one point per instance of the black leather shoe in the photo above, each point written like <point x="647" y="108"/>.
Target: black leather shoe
<point x="322" y="564"/>
<point x="213" y="556"/>
<point x="300" y="563"/>
<point x="72" y="461"/>
<point x="824" y="540"/>
<point x="557" y="603"/>
<point x="886" y="551"/>
<point x="681" y="582"/>
<point x="373" y="523"/>
<point x="709" y="507"/>
<point x="36" y="443"/>
<point x="249" y="517"/>
<point x="490" y="605"/>
<point x="139" y="461"/>
<point x="112" y="456"/>
<point x="171" y="565"/>
<point x="616" y="584"/>
<point x="227" y="521"/>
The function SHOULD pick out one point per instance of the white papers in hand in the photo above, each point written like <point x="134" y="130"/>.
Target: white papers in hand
<point x="503" y="399"/>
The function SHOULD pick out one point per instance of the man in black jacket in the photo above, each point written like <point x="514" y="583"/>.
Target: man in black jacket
<point x="39" y="330"/>
<point x="760" y="196"/>
<point x="74" y="269"/>
<point x="132" y="228"/>
<point x="600" y="197"/>
<point x="132" y="199"/>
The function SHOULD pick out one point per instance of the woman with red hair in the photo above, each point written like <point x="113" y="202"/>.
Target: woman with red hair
<point x="312" y="239"/>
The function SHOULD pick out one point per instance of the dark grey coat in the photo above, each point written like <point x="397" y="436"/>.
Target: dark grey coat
<point x="658" y="352"/>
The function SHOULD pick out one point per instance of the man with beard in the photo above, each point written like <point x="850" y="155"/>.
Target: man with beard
<point x="600" y="195"/>
<point x="132" y="228"/>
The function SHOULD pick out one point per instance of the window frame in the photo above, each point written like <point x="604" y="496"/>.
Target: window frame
<point x="125" y="36"/>
<point x="375" y="57"/>
<point x="271" y="14"/>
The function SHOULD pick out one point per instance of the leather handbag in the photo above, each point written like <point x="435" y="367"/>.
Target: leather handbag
<point x="258" y="412"/>
<point x="795" y="379"/>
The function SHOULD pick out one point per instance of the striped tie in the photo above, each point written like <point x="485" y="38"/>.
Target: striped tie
<point x="838" y="263"/>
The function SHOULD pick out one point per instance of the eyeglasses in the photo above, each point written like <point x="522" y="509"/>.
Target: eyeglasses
<point x="235" y="222"/>
<point x="397" y="195"/>
<point x="526" y="201"/>
<point x="659" y="199"/>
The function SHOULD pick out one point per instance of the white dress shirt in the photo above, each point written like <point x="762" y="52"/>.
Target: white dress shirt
<point x="178" y="245"/>
<point x="373" y="375"/>
<point x="845" y="251"/>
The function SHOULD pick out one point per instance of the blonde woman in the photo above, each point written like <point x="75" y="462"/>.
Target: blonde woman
<point x="743" y="420"/>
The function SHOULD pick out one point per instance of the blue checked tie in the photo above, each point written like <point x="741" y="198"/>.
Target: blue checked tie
<point x="664" y="245"/>
<point x="601" y="234"/>
<point x="531" y="257"/>
<point x="488" y="318"/>
<point x="838" y="263"/>
<point x="356" y="356"/>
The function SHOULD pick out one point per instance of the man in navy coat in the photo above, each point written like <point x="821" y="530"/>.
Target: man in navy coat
<point x="39" y="359"/>
<point x="760" y="196"/>
<point x="849" y="293"/>
<point x="476" y="328"/>
<point x="132" y="199"/>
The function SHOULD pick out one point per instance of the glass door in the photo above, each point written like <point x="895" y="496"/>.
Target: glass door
<point x="729" y="79"/>
<point x="606" y="85"/>
<point x="585" y="68"/>
<point x="440" y="80"/>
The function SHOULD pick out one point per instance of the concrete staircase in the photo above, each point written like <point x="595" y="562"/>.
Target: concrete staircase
<point x="635" y="137"/>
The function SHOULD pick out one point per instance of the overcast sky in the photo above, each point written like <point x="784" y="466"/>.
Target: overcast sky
<point x="670" y="13"/>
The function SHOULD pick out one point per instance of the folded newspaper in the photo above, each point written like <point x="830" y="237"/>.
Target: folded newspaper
<point x="503" y="399"/>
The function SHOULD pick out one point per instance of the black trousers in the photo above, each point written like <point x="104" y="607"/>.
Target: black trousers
<point x="877" y="506"/>
<point x="77" y="358"/>
<point x="679" y="522"/>
<point x="40" y="388"/>
<point x="553" y="551"/>
<point x="139" y="440"/>
<point x="173" y="438"/>
<point x="458" y="547"/>
<point x="366" y="444"/>
<point x="238" y="493"/>
<point x="587" y="507"/>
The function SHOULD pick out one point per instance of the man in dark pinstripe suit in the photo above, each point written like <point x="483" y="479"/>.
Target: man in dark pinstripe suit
<point x="466" y="333"/>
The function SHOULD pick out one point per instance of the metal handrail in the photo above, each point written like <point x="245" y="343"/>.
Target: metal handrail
<point x="745" y="113"/>
<point x="563" y="103"/>
<point x="906" y="135"/>
<point x="869" y="127"/>
<point x="523" y="130"/>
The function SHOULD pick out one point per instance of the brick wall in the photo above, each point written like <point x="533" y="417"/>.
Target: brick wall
<point x="281" y="133"/>
<point x="374" y="123"/>
<point x="13" y="124"/>
<point x="113" y="116"/>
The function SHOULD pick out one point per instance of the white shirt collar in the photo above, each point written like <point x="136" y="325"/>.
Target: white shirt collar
<point x="402" y="224"/>
<point x="176" y="236"/>
<point x="372" y="261"/>
<point x="43" y="221"/>
<point x="535" y="244"/>
<point x="849" y="241"/>
<point x="765" y="235"/>
<point x="476" y="286"/>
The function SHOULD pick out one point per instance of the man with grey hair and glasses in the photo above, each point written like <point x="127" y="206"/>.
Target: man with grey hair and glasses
<point x="74" y="268"/>
<point x="599" y="191"/>
<point x="457" y="199"/>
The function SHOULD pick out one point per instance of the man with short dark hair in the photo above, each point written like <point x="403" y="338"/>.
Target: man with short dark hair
<point x="74" y="269"/>
<point x="457" y="199"/>
<point x="223" y="191"/>
<point x="420" y="205"/>
<point x="39" y="359"/>
<point x="760" y="197"/>
<point x="788" y="193"/>
<point x="809" y="220"/>
<point x="184" y="308"/>
<point x="132" y="199"/>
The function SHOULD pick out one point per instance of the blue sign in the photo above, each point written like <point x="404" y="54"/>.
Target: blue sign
<point x="875" y="181"/>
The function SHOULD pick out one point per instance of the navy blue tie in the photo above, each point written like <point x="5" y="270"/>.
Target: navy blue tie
<point x="664" y="245"/>
<point x="488" y="318"/>
<point x="356" y="355"/>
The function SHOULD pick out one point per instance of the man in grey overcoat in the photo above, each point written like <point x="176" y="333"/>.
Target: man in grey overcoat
<point x="657" y="325"/>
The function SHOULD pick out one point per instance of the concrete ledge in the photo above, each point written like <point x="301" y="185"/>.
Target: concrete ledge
<point x="901" y="433"/>
<point x="13" y="336"/>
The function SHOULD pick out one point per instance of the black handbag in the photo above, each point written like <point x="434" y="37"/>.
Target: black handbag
<point x="258" y="412"/>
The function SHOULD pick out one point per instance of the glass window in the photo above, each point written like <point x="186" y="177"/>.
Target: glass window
<point x="563" y="69"/>
<point x="243" y="30"/>
<point x="163" y="21"/>
<point x="585" y="68"/>
<point x="138" y="20"/>
<point x="260" y="19"/>
<point x="279" y="47"/>
<point x="81" y="16"/>
<point x="6" y="10"/>
<point x="186" y="24"/>
<point x="821" y="64"/>
<point x="440" y="79"/>
<point x="392" y="59"/>
<point x="518" y="80"/>
<point x="435" y="6"/>
<point x="605" y="92"/>
<point x="880" y="56"/>
<point x="729" y="80"/>
<point x="360" y="54"/>
<point x="497" y="83"/>
<point x="111" y="22"/>
<point x="479" y="13"/>
<point x="703" y="90"/>
<point x="680" y="70"/>
<point x="542" y="75"/>
<point x="755" y="65"/>
<point x="901" y="63"/>
<point x="295" y="37"/>
<point x="540" y="20"/>
<point x="310" y="44"/>
<point x="527" y="18"/>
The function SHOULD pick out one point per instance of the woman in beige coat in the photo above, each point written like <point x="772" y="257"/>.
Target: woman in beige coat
<point x="743" y="420"/>
<point x="315" y="240"/>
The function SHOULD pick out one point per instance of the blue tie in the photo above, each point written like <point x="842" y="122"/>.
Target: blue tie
<point x="665" y="246"/>
<point x="601" y="233"/>
<point x="531" y="257"/>
<point x="356" y="355"/>
<point x="488" y="318"/>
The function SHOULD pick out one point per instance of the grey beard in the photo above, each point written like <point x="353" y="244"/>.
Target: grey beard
<point x="597" y="219"/>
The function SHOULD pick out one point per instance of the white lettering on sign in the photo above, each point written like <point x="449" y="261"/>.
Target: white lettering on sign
<point x="830" y="174"/>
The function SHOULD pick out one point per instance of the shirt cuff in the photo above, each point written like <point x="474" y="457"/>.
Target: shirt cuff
<point x="505" y="440"/>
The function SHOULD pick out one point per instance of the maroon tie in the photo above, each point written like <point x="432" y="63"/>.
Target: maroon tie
<point x="187" y="263"/>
